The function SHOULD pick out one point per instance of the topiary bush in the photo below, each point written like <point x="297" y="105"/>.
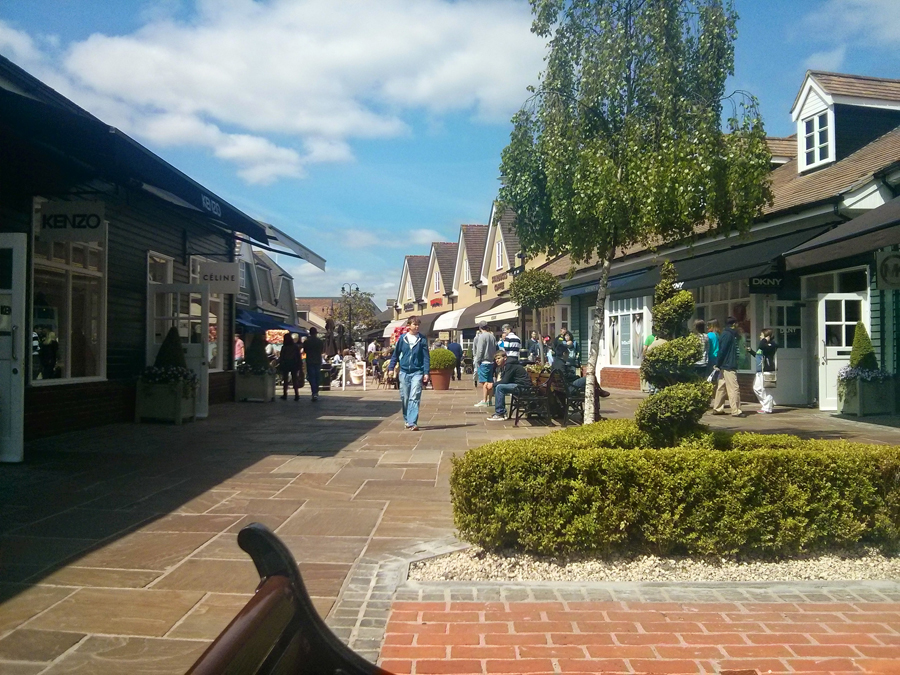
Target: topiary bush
<point x="674" y="412"/>
<point x="441" y="359"/>
<point x="863" y="353"/>
<point x="171" y="352"/>
<point x="256" y="361"/>
<point x="672" y="362"/>
<point x="570" y="493"/>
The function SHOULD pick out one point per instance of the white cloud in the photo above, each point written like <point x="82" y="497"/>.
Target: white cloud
<point x="312" y="282"/>
<point x="276" y="85"/>
<point x="424" y="237"/>
<point x="831" y="60"/>
<point x="18" y="45"/>
<point x="865" y="22"/>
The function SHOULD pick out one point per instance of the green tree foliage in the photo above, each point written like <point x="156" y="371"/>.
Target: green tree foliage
<point x="863" y="353"/>
<point x="535" y="289"/>
<point x="171" y="352"/>
<point x="622" y="143"/>
<point x="360" y="305"/>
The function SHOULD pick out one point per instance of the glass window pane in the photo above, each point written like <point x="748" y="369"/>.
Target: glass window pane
<point x="852" y="311"/>
<point x="79" y="256"/>
<point x="625" y="341"/>
<point x="823" y="137"/>
<point x="160" y="329"/>
<point x="50" y="323"/>
<point x="810" y="157"/>
<point x="793" y="338"/>
<point x="85" y="326"/>
<point x="833" y="310"/>
<point x="779" y="336"/>
<point x="810" y="141"/>
<point x="823" y="120"/>
<point x="94" y="259"/>
<point x="823" y="152"/>
<point x="852" y="282"/>
<point x="848" y="334"/>
<point x="42" y="249"/>
<point x="833" y="335"/>
<point x="793" y="315"/>
<point x="60" y="251"/>
<point x="820" y="284"/>
<point x="810" y="126"/>
<point x="158" y="270"/>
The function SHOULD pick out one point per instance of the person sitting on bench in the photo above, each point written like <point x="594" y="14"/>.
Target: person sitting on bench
<point x="513" y="377"/>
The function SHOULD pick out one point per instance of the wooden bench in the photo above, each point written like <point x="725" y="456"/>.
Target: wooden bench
<point x="278" y="630"/>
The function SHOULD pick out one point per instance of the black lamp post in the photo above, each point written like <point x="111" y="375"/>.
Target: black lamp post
<point x="347" y="290"/>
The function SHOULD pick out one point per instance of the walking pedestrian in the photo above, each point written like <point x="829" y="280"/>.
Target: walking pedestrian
<point x="483" y="348"/>
<point x="513" y="376"/>
<point x="291" y="366"/>
<point x="726" y="363"/>
<point x="411" y="352"/>
<point x="702" y="364"/>
<point x="765" y="363"/>
<point x="457" y="351"/>
<point x="313" y="348"/>
<point x="535" y="348"/>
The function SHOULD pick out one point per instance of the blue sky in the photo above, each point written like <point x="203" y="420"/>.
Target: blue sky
<point x="365" y="129"/>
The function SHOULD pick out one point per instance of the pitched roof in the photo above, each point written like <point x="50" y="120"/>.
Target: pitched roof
<point x="790" y="189"/>
<point x="445" y="253"/>
<point x="510" y="238"/>
<point x="474" y="237"/>
<point x="859" y="86"/>
<point x="265" y="260"/>
<point x="418" y="269"/>
<point x="784" y="146"/>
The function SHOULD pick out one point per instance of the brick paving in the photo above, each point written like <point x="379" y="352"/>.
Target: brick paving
<point x="118" y="545"/>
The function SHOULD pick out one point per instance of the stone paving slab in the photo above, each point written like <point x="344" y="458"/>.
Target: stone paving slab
<point x="117" y="545"/>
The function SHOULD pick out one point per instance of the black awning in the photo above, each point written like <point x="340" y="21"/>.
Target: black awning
<point x="105" y="152"/>
<point x="467" y="319"/>
<point x="427" y="321"/>
<point x="738" y="262"/>
<point x="873" y="230"/>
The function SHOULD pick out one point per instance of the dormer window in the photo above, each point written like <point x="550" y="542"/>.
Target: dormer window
<point x="409" y="291"/>
<point x="500" y="255"/>
<point x="467" y="275"/>
<point x="437" y="281"/>
<point x="815" y="140"/>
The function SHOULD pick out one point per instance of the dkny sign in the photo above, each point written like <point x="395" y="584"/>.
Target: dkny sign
<point x="767" y="284"/>
<point x="71" y="221"/>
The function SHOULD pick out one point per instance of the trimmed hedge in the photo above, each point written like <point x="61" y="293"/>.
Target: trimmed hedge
<point x="595" y="489"/>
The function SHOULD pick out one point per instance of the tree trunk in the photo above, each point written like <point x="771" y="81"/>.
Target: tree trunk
<point x="591" y="413"/>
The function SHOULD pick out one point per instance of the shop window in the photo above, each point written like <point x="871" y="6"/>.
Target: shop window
<point x="728" y="299"/>
<point x="564" y="318"/>
<point x="159" y="268"/>
<point x="69" y="315"/>
<point x="853" y="281"/>
<point x="218" y="322"/>
<point x="845" y="281"/>
<point x="625" y="333"/>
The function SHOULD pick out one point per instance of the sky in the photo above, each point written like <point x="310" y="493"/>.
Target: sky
<point x="367" y="130"/>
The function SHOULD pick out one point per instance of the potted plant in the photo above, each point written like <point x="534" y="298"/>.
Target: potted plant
<point x="863" y="387"/>
<point x="537" y="373"/>
<point x="255" y="377"/>
<point x="167" y="390"/>
<point x="442" y="363"/>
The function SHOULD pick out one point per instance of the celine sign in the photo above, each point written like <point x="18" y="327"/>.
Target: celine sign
<point x="221" y="277"/>
<point x="887" y="266"/>
<point x="766" y="284"/>
<point x="71" y="221"/>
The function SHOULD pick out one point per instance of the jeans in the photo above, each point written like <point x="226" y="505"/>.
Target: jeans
<point x="500" y="392"/>
<point x="313" y="372"/>
<point x="410" y="395"/>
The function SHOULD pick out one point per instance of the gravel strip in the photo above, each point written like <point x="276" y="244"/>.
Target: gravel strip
<point x="475" y="564"/>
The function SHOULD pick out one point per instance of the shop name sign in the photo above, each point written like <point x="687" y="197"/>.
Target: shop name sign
<point x="221" y="277"/>
<point x="409" y="306"/>
<point x="766" y="284"/>
<point x="72" y="221"/>
<point x="437" y="302"/>
<point x="887" y="266"/>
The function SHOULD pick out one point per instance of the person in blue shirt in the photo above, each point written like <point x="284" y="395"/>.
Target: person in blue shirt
<point x="457" y="351"/>
<point x="411" y="351"/>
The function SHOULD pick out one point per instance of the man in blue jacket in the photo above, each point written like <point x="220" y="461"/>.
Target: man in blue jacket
<point x="411" y="351"/>
<point x="726" y="365"/>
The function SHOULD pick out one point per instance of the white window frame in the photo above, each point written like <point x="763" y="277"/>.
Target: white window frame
<point x="437" y="281"/>
<point x="804" y="138"/>
<point x="467" y="275"/>
<point x="618" y="310"/>
<point x="409" y="289"/>
<point x="499" y="254"/>
<point x="242" y="271"/>
<point x="214" y="298"/>
<point x="69" y="270"/>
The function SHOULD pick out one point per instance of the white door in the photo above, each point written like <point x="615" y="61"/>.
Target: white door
<point x="13" y="358"/>
<point x="837" y="317"/>
<point x="185" y="306"/>
<point x="786" y="320"/>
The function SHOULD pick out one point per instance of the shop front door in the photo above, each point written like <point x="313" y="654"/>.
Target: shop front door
<point x="185" y="306"/>
<point x="837" y="317"/>
<point x="13" y="358"/>
<point x="786" y="321"/>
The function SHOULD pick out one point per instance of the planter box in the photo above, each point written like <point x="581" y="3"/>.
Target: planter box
<point x="165" y="402"/>
<point x="440" y="379"/>
<point x="254" y="387"/>
<point x="867" y="398"/>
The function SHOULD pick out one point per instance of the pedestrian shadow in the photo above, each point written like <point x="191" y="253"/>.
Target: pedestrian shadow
<point x="444" y="426"/>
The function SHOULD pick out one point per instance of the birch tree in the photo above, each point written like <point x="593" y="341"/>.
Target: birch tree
<point x="622" y="142"/>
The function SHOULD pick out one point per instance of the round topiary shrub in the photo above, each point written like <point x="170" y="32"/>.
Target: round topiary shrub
<point x="673" y="412"/>
<point x="441" y="359"/>
<point x="672" y="362"/>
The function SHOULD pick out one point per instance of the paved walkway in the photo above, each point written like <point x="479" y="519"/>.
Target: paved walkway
<point x="118" y="546"/>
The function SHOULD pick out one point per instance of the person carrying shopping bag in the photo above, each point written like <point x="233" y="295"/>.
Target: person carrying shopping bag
<point x="765" y="370"/>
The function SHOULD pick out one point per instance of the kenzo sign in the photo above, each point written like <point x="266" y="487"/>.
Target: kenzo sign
<point x="76" y="221"/>
<point x="211" y="205"/>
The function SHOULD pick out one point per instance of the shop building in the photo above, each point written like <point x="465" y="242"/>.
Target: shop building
<point x="103" y="247"/>
<point x="796" y="271"/>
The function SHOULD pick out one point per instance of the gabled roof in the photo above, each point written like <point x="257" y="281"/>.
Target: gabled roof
<point x="445" y="255"/>
<point x="265" y="260"/>
<point x="510" y="238"/>
<point x="859" y="86"/>
<point x="418" y="269"/>
<point x="791" y="190"/>
<point x="474" y="237"/>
